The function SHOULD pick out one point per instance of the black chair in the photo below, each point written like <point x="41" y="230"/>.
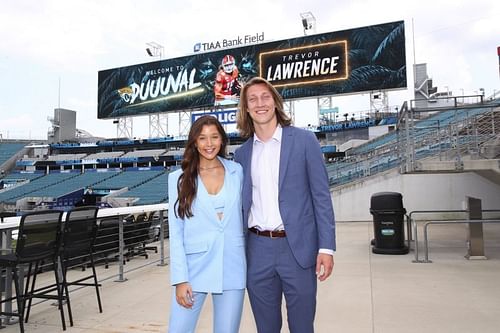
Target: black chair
<point x="38" y="242"/>
<point x="150" y="233"/>
<point x="138" y="233"/>
<point x="77" y="247"/>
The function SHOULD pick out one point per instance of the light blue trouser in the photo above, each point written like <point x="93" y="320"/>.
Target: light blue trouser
<point x="227" y="308"/>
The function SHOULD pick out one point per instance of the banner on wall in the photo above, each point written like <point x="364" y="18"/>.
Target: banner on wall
<point x="227" y="116"/>
<point x="342" y="62"/>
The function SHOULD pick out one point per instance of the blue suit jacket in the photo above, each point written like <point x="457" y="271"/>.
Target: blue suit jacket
<point x="305" y="203"/>
<point x="205" y="251"/>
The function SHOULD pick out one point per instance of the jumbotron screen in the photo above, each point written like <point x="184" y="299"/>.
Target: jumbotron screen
<point x="342" y="62"/>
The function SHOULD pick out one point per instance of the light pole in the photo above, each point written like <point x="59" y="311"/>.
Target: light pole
<point x="158" y="123"/>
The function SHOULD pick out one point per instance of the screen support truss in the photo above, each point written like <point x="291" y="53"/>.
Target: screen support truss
<point x="379" y="102"/>
<point x="289" y="108"/>
<point x="158" y="125"/>
<point x="125" y="127"/>
<point x="184" y="122"/>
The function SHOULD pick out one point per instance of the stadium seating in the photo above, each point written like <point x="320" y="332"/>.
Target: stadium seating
<point x="9" y="149"/>
<point x="128" y="179"/>
<point x="23" y="175"/>
<point x="144" y="153"/>
<point x="104" y="155"/>
<point x="382" y="153"/>
<point x="149" y="185"/>
<point x="81" y="181"/>
<point x="138" y="168"/>
<point x="52" y="179"/>
<point x="66" y="157"/>
<point x="423" y="127"/>
<point x="150" y="192"/>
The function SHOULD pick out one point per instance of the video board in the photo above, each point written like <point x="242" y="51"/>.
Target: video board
<point x="342" y="62"/>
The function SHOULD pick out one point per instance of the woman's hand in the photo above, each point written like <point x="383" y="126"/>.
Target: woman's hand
<point x="184" y="295"/>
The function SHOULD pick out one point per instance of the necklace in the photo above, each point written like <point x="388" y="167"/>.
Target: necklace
<point x="211" y="167"/>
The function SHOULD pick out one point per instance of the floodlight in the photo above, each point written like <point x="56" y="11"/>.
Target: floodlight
<point x="305" y="24"/>
<point x="308" y="22"/>
<point x="154" y="49"/>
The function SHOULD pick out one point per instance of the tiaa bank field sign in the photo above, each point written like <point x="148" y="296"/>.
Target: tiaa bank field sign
<point x="227" y="43"/>
<point x="224" y="117"/>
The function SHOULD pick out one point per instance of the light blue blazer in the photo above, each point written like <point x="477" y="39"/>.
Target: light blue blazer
<point x="207" y="252"/>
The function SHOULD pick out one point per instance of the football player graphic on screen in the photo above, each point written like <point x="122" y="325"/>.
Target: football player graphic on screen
<point x="226" y="87"/>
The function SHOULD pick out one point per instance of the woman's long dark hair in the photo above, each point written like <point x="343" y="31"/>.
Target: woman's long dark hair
<point x="187" y="183"/>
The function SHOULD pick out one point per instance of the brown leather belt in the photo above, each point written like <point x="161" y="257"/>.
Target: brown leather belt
<point x="267" y="233"/>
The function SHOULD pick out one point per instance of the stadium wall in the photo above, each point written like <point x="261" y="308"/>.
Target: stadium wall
<point x="440" y="191"/>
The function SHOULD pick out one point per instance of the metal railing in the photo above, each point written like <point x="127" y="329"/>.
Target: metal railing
<point x="461" y="132"/>
<point x="10" y="224"/>
<point x="412" y="223"/>
<point x="450" y="134"/>
<point x="428" y="223"/>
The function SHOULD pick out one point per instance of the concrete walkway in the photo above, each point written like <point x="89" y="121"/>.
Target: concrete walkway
<point x="367" y="293"/>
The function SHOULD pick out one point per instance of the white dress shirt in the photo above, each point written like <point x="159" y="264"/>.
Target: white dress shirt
<point x="265" y="213"/>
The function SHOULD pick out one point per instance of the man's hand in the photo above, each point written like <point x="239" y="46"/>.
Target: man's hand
<point x="324" y="266"/>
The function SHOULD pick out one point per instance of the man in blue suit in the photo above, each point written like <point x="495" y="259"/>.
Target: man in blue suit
<point x="287" y="209"/>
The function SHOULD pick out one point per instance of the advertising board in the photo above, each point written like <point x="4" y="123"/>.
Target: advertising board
<point x="342" y="62"/>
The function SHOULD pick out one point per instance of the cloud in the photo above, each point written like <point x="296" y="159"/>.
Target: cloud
<point x="19" y="127"/>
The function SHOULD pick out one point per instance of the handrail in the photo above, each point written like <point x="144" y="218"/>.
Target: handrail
<point x="426" y="247"/>
<point x="413" y="224"/>
<point x="13" y="221"/>
<point x="10" y="223"/>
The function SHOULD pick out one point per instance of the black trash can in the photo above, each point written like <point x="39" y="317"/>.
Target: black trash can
<point x="388" y="217"/>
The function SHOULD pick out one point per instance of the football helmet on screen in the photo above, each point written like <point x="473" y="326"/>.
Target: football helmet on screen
<point x="228" y="63"/>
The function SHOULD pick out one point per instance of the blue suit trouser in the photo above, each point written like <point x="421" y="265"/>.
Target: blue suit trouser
<point x="227" y="309"/>
<point x="272" y="272"/>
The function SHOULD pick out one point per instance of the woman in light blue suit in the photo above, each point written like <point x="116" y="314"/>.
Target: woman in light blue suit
<point x="207" y="250"/>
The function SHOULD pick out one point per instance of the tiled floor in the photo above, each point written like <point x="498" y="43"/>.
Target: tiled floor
<point x="367" y="293"/>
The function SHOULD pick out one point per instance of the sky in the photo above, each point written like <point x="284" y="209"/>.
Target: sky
<point x="52" y="50"/>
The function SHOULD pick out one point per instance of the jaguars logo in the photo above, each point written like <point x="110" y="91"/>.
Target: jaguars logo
<point x="125" y="93"/>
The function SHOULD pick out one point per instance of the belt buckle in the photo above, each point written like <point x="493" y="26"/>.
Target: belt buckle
<point x="271" y="234"/>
